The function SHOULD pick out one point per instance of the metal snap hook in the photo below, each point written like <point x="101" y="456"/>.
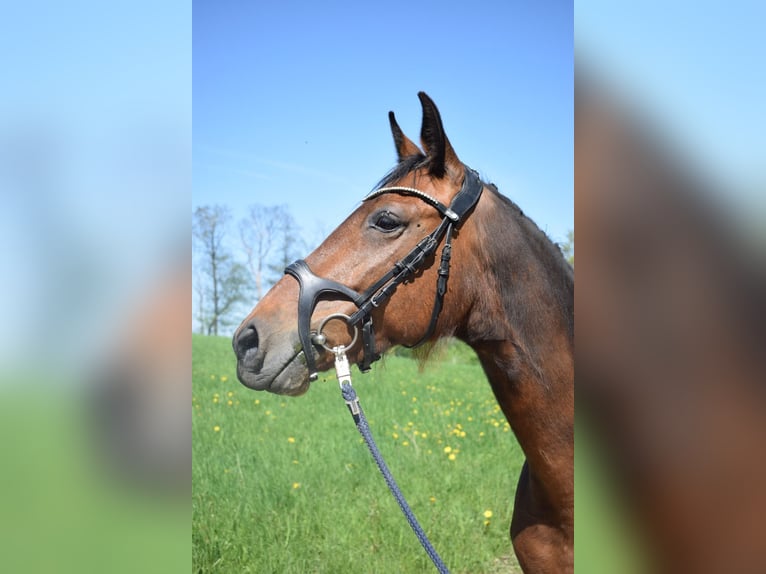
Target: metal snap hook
<point x="320" y="338"/>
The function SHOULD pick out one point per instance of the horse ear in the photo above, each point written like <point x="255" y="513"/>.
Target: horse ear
<point x="434" y="140"/>
<point x="404" y="145"/>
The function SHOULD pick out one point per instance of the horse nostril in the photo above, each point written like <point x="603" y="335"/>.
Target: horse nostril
<point x="245" y="340"/>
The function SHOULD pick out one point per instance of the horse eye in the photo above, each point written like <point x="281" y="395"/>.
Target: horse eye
<point x="386" y="221"/>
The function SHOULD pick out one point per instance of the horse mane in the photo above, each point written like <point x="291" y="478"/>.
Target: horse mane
<point x="558" y="271"/>
<point x="551" y="248"/>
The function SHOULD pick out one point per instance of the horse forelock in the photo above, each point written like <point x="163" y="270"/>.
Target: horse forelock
<point x="408" y="165"/>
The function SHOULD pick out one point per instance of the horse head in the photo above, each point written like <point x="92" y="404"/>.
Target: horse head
<point x="378" y="268"/>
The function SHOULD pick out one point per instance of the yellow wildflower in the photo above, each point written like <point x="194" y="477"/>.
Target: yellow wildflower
<point x="216" y="428"/>
<point x="487" y="514"/>
<point x="291" y="439"/>
<point x="447" y="449"/>
<point x="296" y="485"/>
<point x="452" y="456"/>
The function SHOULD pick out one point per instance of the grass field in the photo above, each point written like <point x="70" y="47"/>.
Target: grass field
<point x="285" y="485"/>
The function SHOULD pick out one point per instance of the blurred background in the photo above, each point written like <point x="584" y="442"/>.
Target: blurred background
<point x="669" y="208"/>
<point x="95" y="174"/>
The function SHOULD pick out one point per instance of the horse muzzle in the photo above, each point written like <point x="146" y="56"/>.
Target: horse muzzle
<point x="273" y="364"/>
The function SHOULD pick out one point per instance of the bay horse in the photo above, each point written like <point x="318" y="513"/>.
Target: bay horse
<point x="510" y="296"/>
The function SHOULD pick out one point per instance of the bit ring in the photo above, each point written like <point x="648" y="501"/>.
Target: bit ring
<point x="320" y="339"/>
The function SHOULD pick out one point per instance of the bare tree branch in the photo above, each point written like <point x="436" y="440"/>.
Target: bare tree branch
<point x="221" y="282"/>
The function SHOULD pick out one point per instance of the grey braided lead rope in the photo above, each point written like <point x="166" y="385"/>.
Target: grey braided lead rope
<point x="352" y="401"/>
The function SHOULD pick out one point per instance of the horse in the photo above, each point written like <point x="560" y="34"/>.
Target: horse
<point x="504" y="288"/>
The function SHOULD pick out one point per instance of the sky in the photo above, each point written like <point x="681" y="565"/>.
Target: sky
<point x="290" y="101"/>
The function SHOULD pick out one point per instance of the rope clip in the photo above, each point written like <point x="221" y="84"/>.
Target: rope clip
<point x="343" y="372"/>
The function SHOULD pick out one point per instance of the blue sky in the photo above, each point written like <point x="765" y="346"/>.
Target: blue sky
<point x="290" y="101"/>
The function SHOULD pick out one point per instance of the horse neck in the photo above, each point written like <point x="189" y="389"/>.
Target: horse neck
<point x="521" y="326"/>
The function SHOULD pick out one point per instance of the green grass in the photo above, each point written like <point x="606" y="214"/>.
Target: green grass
<point x="286" y="484"/>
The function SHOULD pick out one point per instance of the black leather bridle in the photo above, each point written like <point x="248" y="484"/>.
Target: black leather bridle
<point x="312" y="287"/>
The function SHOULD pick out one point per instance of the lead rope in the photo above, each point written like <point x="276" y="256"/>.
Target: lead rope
<point x="343" y="372"/>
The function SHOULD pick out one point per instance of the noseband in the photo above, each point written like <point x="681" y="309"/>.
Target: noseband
<point x="312" y="287"/>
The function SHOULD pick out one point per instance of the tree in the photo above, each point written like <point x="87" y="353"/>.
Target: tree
<point x="288" y="245"/>
<point x="568" y="248"/>
<point x="258" y="234"/>
<point x="221" y="282"/>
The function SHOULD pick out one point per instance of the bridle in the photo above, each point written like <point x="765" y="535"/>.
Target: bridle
<point x="312" y="287"/>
